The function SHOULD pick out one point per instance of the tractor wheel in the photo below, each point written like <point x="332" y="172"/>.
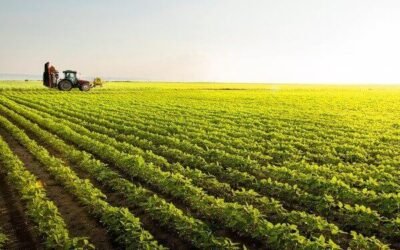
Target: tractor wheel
<point x="84" y="87"/>
<point x="65" y="85"/>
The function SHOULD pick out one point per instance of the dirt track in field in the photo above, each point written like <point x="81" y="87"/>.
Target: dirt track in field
<point x="162" y="234"/>
<point x="77" y="219"/>
<point x="13" y="221"/>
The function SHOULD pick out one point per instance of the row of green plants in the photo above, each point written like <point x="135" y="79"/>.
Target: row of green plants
<point x="40" y="210"/>
<point x="277" y="151"/>
<point x="244" y="219"/>
<point x="123" y="98"/>
<point x="3" y="239"/>
<point x="120" y="222"/>
<point x="344" y="210"/>
<point x="309" y="224"/>
<point x="327" y="132"/>
<point x="332" y="185"/>
<point x="300" y="125"/>
<point x="232" y="118"/>
<point x="226" y="158"/>
<point x="192" y="230"/>
<point x="387" y="186"/>
<point x="360" y="217"/>
<point x="299" y="137"/>
<point x="340" y="188"/>
<point x="353" y="128"/>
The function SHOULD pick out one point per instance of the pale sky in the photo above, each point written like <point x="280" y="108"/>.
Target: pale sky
<point x="342" y="41"/>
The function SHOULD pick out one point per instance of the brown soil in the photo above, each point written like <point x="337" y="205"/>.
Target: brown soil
<point x="19" y="231"/>
<point x="79" y="223"/>
<point x="163" y="235"/>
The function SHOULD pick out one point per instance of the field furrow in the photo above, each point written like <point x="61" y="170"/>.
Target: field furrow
<point x="191" y="229"/>
<point x="148" y="166"/>
<point x="231" y="215"/>
<point x="367" y="221"/>
<point x="119" y="221"/>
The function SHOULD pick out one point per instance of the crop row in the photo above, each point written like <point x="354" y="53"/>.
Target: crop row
<point x="347" y="208"/>
<point x="43" y="212"/>
<point x="165" y="213"/>
<point x="291" y="131"/>
<point x="372" y="175"/>
<point x="368" y="172"/>
<point x="273" y="139"/>
<point x="330" y="135"/>
<point x="241" y="133"/>
<point x="244" y="219"/>
<point x="315" y="201"/>
<point x="3" y="239"/>
<point x="335" y="129"/>
<point x="308" y="223"/>
<point x="359" y="217"/>
<point x="388" y="184"/>
<point x="119" y="221"/>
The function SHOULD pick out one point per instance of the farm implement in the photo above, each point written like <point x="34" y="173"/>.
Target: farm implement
<point x="70" y="80"/>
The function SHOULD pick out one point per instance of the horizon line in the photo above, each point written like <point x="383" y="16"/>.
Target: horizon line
<point x="234" y="82"/>
<point x="37" y="77"/>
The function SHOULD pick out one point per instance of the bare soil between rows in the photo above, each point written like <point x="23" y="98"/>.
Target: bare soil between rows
<point x="162" y="234"/>
<point x="78" y="221"/>
<point x="13" y="221"/>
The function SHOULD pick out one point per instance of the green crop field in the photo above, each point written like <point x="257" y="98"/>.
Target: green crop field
<point x="200" y="166"/>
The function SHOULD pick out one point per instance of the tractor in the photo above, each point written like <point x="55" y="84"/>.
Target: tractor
<point x="50" y="79"/>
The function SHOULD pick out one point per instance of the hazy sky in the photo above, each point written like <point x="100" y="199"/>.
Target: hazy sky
<point x="205" y="40"/>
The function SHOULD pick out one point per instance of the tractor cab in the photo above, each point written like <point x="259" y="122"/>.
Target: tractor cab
<point x="71" y="76"/>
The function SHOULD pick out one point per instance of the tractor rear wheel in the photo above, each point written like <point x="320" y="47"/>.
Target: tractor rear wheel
<point x="65" y="85"/>
<point x="84" y="87"/>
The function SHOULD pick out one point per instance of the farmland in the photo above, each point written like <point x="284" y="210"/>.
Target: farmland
<point x="200" y="166"/>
